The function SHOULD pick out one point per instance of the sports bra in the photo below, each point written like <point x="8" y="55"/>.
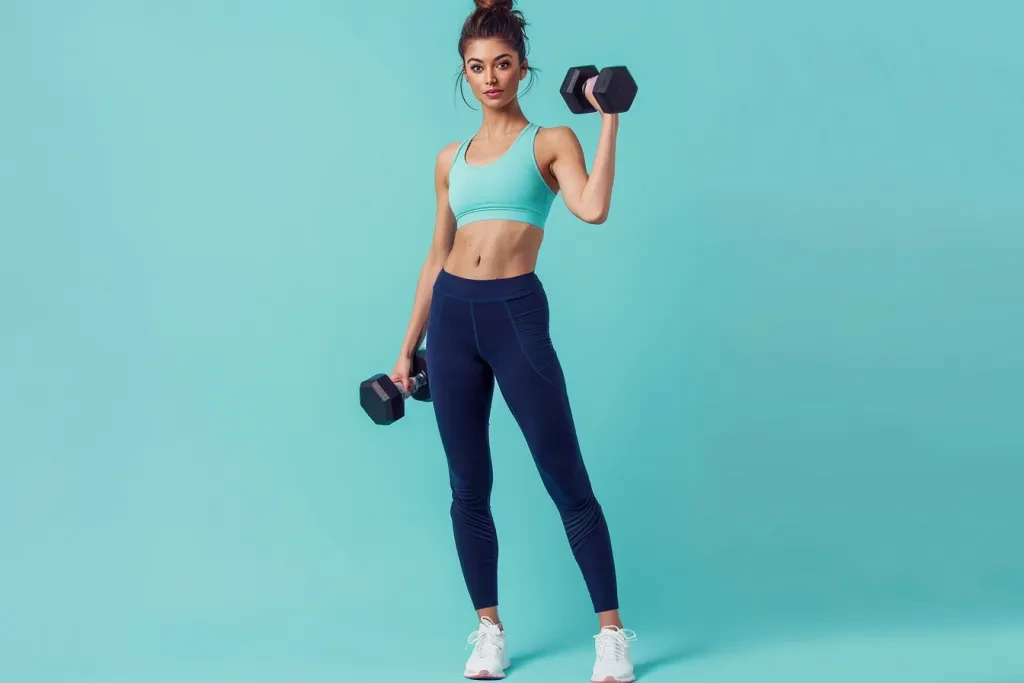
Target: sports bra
<point x="510" y="188"/>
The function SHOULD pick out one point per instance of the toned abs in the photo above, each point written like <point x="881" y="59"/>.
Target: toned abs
<point x="489" y="250"/>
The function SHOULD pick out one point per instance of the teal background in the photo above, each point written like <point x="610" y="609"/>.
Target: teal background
<point x="794" y="349"/>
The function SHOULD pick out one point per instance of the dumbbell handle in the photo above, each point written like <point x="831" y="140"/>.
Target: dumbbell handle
<point x="418" y="380"/>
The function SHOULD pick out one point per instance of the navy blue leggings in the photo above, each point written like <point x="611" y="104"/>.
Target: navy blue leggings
<point x="480" y="331"/>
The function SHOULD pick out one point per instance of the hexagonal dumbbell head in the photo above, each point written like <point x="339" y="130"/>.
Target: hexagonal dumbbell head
<point x="615" y="89"/>
<point x="384" y="401"/>
<point x="381" y="399"/>
<point x="572" y="88"/>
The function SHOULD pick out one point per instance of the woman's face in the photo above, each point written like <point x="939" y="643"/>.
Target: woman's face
<point x="494" y="71"/>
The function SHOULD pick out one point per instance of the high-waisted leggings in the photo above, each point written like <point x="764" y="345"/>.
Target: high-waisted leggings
<point x="485" y="331"/>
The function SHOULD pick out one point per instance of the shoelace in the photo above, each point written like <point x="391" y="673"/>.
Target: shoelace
<point x="485" y="642"/>
<point x="611" y="645"/>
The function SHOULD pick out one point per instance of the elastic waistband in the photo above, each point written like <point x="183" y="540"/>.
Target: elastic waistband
<point x="500" y="289"/>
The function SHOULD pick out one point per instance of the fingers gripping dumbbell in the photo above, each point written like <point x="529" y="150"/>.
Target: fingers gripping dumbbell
<point x="384" y="401"/>
<point x="614" y="89"/>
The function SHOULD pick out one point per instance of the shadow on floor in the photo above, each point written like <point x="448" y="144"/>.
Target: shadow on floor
<point x="646" y="665"/>
<point x="543" y="651"/>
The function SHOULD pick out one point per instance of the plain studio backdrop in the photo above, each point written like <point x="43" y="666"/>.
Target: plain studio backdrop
<point x="794" y="351"/>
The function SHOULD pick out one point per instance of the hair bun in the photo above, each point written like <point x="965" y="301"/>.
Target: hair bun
<point x="505" y="5"/>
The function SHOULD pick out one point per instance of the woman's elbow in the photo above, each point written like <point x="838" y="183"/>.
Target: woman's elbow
<point x="594" y="217"/>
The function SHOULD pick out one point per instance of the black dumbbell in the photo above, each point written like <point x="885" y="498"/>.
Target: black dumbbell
<point x="614" y="89"/>
<point x="384" y="401"/>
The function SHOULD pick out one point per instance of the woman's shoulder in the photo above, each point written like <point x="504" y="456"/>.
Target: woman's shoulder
<point x="446" y="156"/>
<point x="555" y="138"/>
<point x="551" y="130"/>
<point x="556" y="133"/>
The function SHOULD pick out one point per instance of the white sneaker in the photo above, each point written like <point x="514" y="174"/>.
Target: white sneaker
<point x="490" y="658"/>
<point x="614" y="664"/>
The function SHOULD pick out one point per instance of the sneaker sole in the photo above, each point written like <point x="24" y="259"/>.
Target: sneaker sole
<point x="612" y="679"/>
<point x="485" y="676"/>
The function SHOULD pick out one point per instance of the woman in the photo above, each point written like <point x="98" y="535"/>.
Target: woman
<point x="486" y="315"/>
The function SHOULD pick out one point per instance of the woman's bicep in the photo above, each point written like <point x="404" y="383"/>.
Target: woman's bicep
<point x="569" y="167"/>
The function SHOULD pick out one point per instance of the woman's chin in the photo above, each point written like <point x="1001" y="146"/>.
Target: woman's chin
<point x="496" y="103"/>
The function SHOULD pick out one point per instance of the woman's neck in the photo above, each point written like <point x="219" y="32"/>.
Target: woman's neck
<point x="502" y="123"/>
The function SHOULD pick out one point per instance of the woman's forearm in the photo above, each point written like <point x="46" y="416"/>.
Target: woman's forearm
<point x="597" y="194"/>
<point x="417" y="328"/>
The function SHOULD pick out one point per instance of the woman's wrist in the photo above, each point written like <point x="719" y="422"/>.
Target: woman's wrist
<point x="410" y="347"/>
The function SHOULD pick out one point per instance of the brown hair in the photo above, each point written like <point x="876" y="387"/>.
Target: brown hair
<point x="495" y="19"/>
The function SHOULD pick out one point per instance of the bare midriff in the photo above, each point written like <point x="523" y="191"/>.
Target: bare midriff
<point x="493" y="249"/>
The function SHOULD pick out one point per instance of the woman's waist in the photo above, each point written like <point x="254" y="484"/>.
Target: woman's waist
<point x="481" y="281"/>
<point x="494" y="249"/>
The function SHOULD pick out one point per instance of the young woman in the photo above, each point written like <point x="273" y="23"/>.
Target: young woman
<point x="485" y="314"/>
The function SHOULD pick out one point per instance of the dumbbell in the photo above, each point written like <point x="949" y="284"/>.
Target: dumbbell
<point x="614" y="89"/>
<point x="384" y="401"/>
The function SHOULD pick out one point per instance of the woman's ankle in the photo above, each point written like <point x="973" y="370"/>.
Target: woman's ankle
<point x="491" y="614"/>
<point x="609" y="618"/>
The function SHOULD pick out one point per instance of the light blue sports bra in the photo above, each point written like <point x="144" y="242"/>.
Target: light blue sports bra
<point x="510" y="188"/>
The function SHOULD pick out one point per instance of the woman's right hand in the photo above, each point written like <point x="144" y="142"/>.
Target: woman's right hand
<point x="400" y="374"/>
